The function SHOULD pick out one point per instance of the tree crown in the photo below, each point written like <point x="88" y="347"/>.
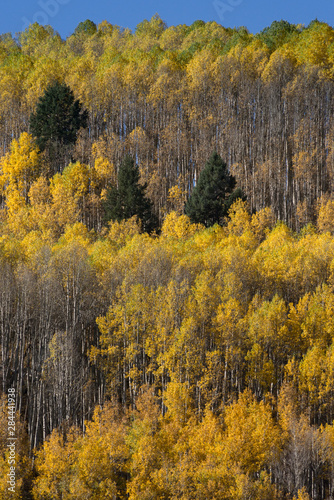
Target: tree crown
<point x="58" y="116"/>
<point x="213" y="195"/>
<point x="128" y="198"/>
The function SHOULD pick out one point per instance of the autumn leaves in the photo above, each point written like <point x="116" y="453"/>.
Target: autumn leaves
<point x="212" y="345"/>
<point x="229" y="329"/>
<point x="171" y="96"/>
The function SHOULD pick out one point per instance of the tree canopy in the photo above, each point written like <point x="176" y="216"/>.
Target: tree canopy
<point x="213" y="194"/>
<point x="57" y="118"/>
<point x="127" y="198"/>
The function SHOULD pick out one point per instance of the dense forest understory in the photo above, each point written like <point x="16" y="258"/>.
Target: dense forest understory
<point x="189" y="363"/>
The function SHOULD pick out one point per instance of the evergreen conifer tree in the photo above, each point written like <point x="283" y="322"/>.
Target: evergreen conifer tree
<point x="56" y="121"/>
<point x="213" y="195"/>
<point x="128" y="198"/>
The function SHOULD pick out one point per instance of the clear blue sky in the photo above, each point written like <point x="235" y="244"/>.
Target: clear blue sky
<point x="65" y="15"/>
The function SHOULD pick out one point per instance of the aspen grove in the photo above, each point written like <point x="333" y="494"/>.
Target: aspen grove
<point x="153" y="356"/>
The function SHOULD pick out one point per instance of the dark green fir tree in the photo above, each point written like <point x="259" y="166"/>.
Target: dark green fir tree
<point x="56" y="121"/>
<point x="128" y="198"/>
<point x="213" y="194"/>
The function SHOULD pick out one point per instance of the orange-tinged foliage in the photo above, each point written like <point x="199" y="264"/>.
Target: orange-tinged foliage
<point x="252" y="437"/>
<point x="214" y="346"/>
<point x="20" y="166"/>
<point x="184" y="320"/>
<point x="54" y="463"/>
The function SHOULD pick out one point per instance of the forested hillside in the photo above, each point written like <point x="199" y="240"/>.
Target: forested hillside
<point x="170" y="96"/>
<point x="182" y="361"/>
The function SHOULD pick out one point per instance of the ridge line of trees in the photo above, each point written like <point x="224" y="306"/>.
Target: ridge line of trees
<point x="262" y="101"/>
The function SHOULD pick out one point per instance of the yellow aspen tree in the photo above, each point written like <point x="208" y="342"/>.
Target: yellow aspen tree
<point x="46" y="71"/>
<point x="178" y="226"/>
<point x="54" y="465"/>
<point x="171" y="39"/>
<point x="325" y="220"/>
<point x="41" y="217"/>
<point x="146" y="447"/>
<point x="63" y="206"/>
<point x="273" y="260"/>
<point x="269" y="342"/>
<point x="302" y="494"/>
<point x="262" y="222"/>
<point x="101" y="464"/>
<point x="312" y="376"/>
<point x="177" y="198"/>
<point x="17" y="213"/>
<point x="21" y="166"/>
<point x="317" y="327"/>
<point x="12" y="77"/>
<point x="103" y="171"/>
<point x="76" y="179"/>
<point x="313" y="44"/>
<point x="252" y="438"/>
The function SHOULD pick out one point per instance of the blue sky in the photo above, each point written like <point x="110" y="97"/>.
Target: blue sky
<point x="65" y="15"/>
